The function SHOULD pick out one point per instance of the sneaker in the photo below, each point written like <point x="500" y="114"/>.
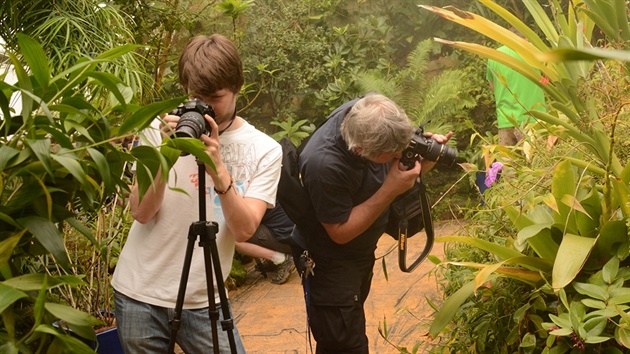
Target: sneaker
<point x="284" y="271"/>
<point x="263" y="265"/>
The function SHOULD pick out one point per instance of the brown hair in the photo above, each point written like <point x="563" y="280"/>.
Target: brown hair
<point x="209" y="64"/>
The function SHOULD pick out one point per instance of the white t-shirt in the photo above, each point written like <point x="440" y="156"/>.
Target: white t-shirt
<point x="150" y="265"/>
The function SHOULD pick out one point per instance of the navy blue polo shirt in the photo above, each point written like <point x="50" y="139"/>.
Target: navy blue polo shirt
<point x="337" y="180"/>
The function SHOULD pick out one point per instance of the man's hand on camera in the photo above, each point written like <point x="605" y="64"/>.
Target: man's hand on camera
<point x="213" y="149"/>
<point x="442" y="139"/>
<point x="399" y="179"/>
<point x="168" y="124"/>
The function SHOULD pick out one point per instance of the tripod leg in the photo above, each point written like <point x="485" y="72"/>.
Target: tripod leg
<point x="211" y="256"/>
<point x="228" y="323"/>
<point x="212" y="306"/>
<point x="181" y="294"/>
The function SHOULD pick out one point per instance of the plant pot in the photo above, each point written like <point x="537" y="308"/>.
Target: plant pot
<point x="108" y="342"/>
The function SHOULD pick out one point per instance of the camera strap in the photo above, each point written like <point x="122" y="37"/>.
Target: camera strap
<point x="229" y="125"/>
<point x="428" y="229"/>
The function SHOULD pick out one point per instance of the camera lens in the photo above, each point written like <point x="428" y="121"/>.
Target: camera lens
<point x="440" y="153"/>
<point x="190" y="125"/>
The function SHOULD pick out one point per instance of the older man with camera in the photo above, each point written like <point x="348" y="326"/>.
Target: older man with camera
<point x="352" y="172"/>
<point x="241" y="188"/>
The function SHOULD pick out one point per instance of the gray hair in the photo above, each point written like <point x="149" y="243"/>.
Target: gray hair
<point x="376" y="125"/>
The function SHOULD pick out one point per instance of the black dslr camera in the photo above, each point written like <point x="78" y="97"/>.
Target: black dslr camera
<point x="427" y="148"/>
<point x="192" y="123"/>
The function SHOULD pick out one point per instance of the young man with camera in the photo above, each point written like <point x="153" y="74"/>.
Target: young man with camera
<point x="351" y="170"/>
<point x="238" y="193"/>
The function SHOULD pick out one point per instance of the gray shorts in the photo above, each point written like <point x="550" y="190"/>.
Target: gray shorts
<point x="265" y="238"/>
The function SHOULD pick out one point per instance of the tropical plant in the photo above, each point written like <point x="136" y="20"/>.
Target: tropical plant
<point x="57" y="162"/>
<point x="430" y="94"/>
<point x="572" y="222"/>
<point x="72" y="30"/>
<point x="295" y="131"/>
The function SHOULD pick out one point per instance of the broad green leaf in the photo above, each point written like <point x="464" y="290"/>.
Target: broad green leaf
<point x="538" y="237"/>
<point x="84" y="230"/>
<point x="574" y="204"/>
<point x="591" y="290"/>
<point x="573" y="252"/>
<point x="71" y="315"/>
<point x="561" y="321"/>
<point x="36" y="58"/>
<point x="498" y="250"/>
<point x="562" y="332"/>
<point x="592" y="204"/>
<point x="32" y="282"/>
<point x="449" y="307"/>
<point x="25" y="85"/>
<point x="69" y="343"/>
<point x="596" y="339"/>
<point x="192" y="146"/>
<point x="503" y="58"/>
<point x="588" y="165"/>
<point x="621" y="193"/>
<point x="70" y="124"/>
<point x="589" y="54"/>
<point x="610" y="270"/>
<point x="526" y="50"/>
<point x="514" y="272"/>
<point x="143" y="117"/>
<point x="6" y="154"/>
<point x="595" y="304"/>
<point x="40" y="301"/>
<point x="542" y="20"/>
<point x="118" y="51"/>
<point x="622" y="336"/>
<point x="111" y="82"/>
<point x="564" y="183"/>
<point x="9" y="296"/>
<point x="47" y="234"/>
<point x="619" y="299"/>
<point x="71" y="163"/>
<point x="41" y="148"/>
<point x="149" y="162"/>
<point x="612" y="234"/>
<point x="518" y="24"/>
<point x="7" y="245"/>
<point x="101" y="165"/>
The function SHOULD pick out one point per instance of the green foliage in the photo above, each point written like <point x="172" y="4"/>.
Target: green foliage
<point x="296" y="132"/>
<point x="567" y="237"/>
<point x="284" y="40"/>
<point x="70" y="31"/>
<point x="427" y="91"/>
<point x="58" y="162"/>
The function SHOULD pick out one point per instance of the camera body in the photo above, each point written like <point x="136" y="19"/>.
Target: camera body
<point x="192" y="123"/>
<point x="427" y="148"/>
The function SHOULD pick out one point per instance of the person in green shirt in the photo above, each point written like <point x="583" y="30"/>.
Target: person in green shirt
<point x="514" y="96"/>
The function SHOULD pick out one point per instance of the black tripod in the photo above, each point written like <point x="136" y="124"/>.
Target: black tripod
<point x="207" y="232"/>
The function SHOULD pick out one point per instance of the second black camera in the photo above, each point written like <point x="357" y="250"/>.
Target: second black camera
<point x="427" y="148"/>
<point x="192" y="123"/>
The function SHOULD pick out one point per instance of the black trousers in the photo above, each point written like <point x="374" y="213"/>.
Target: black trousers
<point x="338" y="291"/>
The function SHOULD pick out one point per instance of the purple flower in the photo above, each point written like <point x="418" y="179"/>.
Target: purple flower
<point x="491" y="175"/>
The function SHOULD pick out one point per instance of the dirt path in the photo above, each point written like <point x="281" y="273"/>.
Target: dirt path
<point x="271" y="318"/>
